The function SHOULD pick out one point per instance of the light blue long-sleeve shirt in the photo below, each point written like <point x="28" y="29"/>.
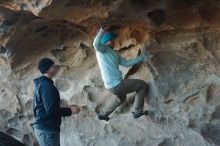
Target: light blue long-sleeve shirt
<point x="109" y="62"/>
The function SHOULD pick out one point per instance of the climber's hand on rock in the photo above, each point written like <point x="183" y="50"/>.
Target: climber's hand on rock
<point x="147" y="56"/>
<point x="106" y="27"/>
<point x="75" y="109"/>
<point x="143" y="46"/>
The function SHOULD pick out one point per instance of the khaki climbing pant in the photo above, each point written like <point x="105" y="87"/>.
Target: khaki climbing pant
<point x="121" y="91"/>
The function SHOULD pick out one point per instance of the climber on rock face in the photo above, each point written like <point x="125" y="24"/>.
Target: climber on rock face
<point x="109" y="62"/>
<point x="46" y="106"/>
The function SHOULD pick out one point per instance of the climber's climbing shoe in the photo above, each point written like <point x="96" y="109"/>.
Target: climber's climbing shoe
<point x="103" y="117"/>
<point x="138" y="115"/>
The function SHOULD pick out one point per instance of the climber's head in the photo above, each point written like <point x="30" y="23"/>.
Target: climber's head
<point x="47" y="67"/>
<point x="108" y="38"/>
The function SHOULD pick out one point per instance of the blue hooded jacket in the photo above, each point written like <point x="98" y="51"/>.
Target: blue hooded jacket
<point x="46" y="105"/>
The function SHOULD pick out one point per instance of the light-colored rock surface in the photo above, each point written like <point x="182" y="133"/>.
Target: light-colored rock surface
<point x="184" y="37"/>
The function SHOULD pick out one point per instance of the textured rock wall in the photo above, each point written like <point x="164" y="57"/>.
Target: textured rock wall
<point x="183" y="36"/>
